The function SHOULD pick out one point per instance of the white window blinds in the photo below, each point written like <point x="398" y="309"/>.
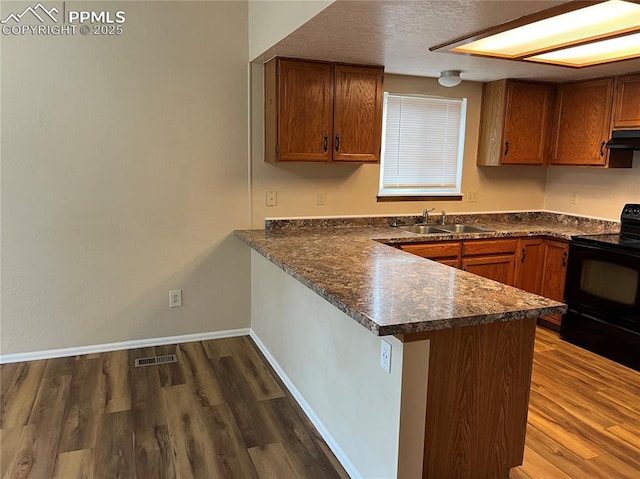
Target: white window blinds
<point x="423" y="144"/>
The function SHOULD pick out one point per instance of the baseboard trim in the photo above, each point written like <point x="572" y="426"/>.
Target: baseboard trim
<point x="324" y="432"/>
<point x="104" y="348"/>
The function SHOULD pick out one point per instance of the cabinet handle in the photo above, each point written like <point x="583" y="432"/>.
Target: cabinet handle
<point x="524" y="255"/>
<point x="564" y="258"/>
<point x="337" y="142"/>
<point x="325" y="145"/>
<point x="602" y="149"/>
<point x="506" y="148"/>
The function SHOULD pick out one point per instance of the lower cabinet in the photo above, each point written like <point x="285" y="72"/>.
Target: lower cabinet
<point x="556" y="257"/>
<point x="445" y="252"/>
<point x="493" y="259"/>
<point x="536" y="265"/>
<point x="530" y="264"/>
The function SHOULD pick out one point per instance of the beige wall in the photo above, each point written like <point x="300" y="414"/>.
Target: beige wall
<point x="351" y="190"/>
<point x="271" y="21"/>
<point x="124" y="172"/>
<point x="600" y="193"/>
<point x="334" y="364"/>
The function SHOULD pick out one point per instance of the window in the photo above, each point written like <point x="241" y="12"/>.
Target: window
<point x="422" y="145"/>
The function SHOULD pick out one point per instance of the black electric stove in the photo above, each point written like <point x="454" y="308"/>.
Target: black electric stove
<point x="603" y="291"/>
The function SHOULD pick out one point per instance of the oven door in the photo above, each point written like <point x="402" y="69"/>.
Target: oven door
<point x="605" y="280"/>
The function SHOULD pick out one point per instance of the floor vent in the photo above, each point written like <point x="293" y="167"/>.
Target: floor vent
<point x="169" y="358"/>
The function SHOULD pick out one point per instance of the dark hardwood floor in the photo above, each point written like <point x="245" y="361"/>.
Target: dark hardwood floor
<point x="220" y="412"/>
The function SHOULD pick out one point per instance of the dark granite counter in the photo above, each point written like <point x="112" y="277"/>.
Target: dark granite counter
<point x="389" y="291"/>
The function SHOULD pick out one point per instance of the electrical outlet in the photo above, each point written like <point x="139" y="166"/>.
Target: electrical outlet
<point x="385" y="355"/>
<point x="321" y="199"/>
<point x="573" y="198"/>
<point x="472" y="197"/>
<point x="175" y="298"/>
<point x="272" y="198"/>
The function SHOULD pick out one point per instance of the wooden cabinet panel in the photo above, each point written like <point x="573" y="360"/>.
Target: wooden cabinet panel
<point x="626" y="112"/>
<point x="497" y="267"/>
<point x="556" y="257"/>
<point x="443" y="252"/>
<point x="515" y="123"/>
<point x="322" y="112"/>
<point x="358" y="114"/>
<point x="489" y="247"/>
<point x="527" y="119"/>
<point x="530" y="265"/>
<point x="583" y="125"/>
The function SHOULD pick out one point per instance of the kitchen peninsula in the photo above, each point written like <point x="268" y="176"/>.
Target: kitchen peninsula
<point x="454" y="403"/>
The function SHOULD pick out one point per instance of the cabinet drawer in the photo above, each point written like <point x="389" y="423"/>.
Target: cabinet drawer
<point x="433" y="250"/>
<point x="471" y="248"/>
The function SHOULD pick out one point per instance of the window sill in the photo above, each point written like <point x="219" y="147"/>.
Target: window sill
<point x="453" y="197"/>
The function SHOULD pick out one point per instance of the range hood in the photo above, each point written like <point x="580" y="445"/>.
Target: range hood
<point x="624" y="140"/>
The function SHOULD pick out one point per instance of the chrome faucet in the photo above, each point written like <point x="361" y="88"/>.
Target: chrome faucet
<point x="425" y="214"/>
<point x="443" y="217"/>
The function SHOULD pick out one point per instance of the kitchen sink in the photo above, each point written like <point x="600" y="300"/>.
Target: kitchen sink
<point x="460" y="228"/>
<point x="423" y="228"/>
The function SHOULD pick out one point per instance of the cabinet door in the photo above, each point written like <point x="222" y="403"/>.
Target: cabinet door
<point x="305" y="111"/>
<point x="526" y="123"/>
<point x="583" y="123"/>
<point x="497" y="267"/>
<point x="627" y="103"/>
<point x="530" y="265"/>
<point x="556" y="256"/>
<point x="357" y="131"/>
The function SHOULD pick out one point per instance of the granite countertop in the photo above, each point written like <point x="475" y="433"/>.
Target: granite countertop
<point x="389" y="291"/>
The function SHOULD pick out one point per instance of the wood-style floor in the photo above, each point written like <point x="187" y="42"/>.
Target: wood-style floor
<point x="218" y="412"/>
<point x="584" y="415"/>
<point x="221" y="412"/>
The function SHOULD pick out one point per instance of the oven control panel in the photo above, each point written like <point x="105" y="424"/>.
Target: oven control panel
<point x="630" y="211"/>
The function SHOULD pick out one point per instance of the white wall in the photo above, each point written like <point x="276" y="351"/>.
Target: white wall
<point x="352" y="189"/>
<point x="271" y="21"/>
<point x="124" y="172"/>
<point x="601" y="193"/>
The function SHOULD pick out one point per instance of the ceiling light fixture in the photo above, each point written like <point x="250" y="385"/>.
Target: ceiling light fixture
<point x="450" y="78"/>
<point x="571" y="27"/>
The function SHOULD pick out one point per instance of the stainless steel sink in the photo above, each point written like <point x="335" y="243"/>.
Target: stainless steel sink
<point x="422" y="229"/>
<point x="460" y="228"/>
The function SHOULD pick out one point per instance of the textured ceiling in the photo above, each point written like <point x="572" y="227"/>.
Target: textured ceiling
<point x="398" y="35"/>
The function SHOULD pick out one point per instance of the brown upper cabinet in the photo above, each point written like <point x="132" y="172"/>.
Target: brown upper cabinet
<point x="322" y="112"/>
<point x="626" y="112"/>
<point x="515" y="123"/>
<point x="583" y="125"/>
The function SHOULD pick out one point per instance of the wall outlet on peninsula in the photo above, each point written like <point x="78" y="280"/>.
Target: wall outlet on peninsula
<point x="385" y="355"/>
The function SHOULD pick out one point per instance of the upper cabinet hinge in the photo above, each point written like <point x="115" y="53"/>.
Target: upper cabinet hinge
<point x="278" y="148"/>
<point x="277" y="69"/>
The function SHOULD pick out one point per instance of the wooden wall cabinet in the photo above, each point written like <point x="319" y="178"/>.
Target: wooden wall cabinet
<point x="626" y="108"/>
<point x="515" y="123"/>
<point x="583" y="126"/>
<point x="322" y="112"/>
<point x="493" y="259"/>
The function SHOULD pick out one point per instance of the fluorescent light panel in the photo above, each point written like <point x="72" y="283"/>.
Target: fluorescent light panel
<point x="599" y="21"/>
<point x="620" y="48"/>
